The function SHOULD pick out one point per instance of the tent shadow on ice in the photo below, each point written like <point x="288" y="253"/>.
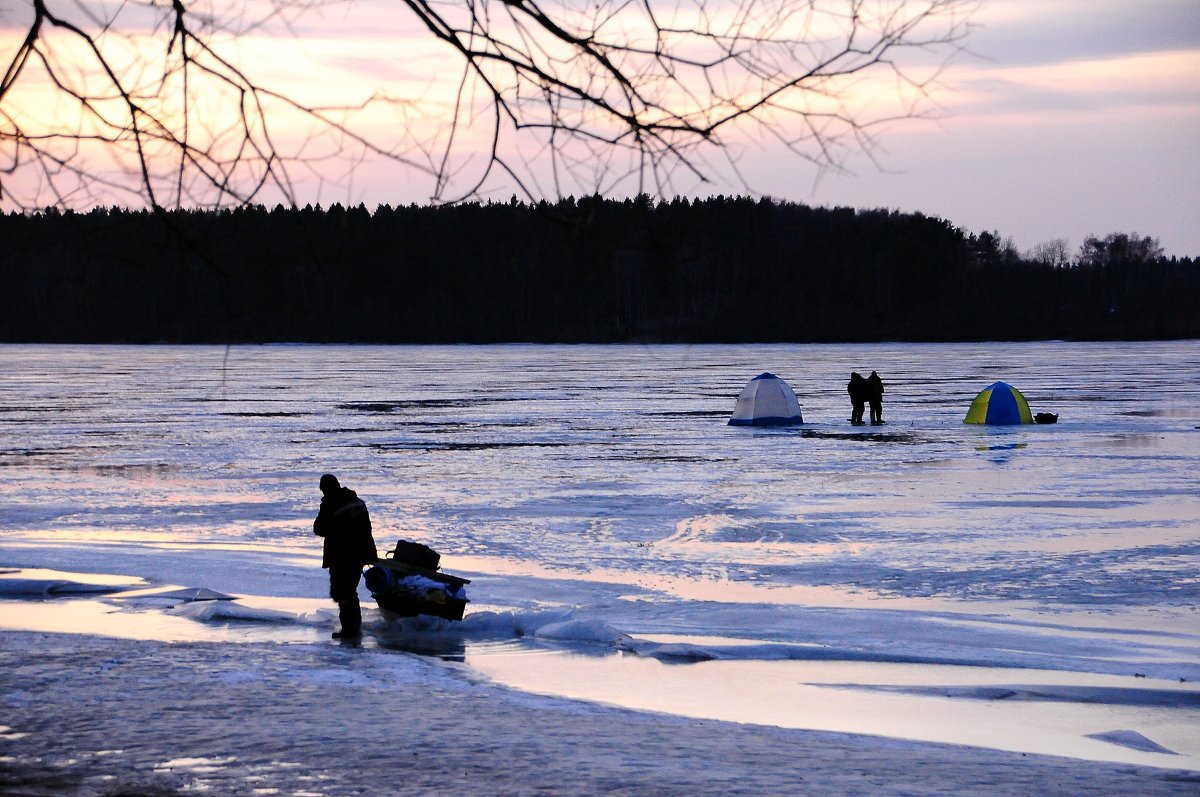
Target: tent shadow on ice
<point x="766" y="401"/>
<point x="999" y="404"/>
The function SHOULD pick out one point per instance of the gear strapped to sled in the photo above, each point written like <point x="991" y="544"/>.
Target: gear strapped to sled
<point x="408" y="583"/>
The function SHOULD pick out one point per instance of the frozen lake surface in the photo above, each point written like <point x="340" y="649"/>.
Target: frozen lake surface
<point x="1025" y="588"/>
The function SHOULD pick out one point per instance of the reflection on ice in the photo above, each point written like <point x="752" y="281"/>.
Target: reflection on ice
<point x="1108" y="695"/>
<point x="907" y="704"/>
<point x="43" y="581"/>
<point x="132" y="610"/>
<point x="197" y="621"/>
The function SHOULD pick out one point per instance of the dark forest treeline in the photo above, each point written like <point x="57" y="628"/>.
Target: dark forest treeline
<point x="722" y="269"/>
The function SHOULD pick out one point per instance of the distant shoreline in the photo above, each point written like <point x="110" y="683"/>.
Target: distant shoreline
<point x="722" y="270"/>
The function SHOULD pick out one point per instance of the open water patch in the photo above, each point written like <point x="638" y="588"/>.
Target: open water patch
<point x="134" y="469"/>
<point x="266" y="414"/>
<point x="388" y="407"/>
<point x="460" y="446"/>
<point x="1056" y="693"/>
<point x="640" y="457"/>
<point x="906" y="438"/>
<point x="688" y="414"/>
<point x="1159" y="413"/>
<point x="1042" y="503"/>
<point x="23" y="456"/>
<point x="424" y="426"/>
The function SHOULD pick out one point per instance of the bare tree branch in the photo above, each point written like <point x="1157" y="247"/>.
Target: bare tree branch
<point x="154" y="100"/>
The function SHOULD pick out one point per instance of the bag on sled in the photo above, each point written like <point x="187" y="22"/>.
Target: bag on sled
<point x="407" y="583"/>
<point x="414" y="553"/>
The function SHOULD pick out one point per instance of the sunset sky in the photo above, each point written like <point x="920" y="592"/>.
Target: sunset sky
<point x="1073" y="117"/>
<point x="1064" y="119"/>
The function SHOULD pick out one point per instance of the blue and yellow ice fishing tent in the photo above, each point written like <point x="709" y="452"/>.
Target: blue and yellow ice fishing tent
<point x="999" y="403"/>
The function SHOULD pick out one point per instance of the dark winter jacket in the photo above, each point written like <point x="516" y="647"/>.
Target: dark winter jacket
<point x="857" y="388"/>
<point x="346" y="526"/>
<point x="874" y="388"/>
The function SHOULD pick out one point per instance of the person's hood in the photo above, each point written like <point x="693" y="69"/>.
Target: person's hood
<point x="343" y="495"/>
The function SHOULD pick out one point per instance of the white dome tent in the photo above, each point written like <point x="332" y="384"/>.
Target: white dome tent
<point x="766" y="401"/>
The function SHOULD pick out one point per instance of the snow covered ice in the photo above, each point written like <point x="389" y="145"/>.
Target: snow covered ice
<point x="1029" y="589"/>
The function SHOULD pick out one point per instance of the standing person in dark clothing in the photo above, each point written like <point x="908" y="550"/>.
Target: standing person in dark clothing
<point x="857" y="388"/>
<point x="346" y="526"/>
<point x="875" y="396"/>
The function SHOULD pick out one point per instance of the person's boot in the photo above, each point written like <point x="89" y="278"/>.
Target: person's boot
<point x="351" y="616"/>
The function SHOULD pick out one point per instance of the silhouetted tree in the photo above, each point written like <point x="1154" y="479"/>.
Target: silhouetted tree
<point x="1118" y="250"/>
<point x="605" y="96"/>
<point x="1055" y="253"/>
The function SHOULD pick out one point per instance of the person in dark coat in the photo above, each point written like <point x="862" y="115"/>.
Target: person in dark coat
<point x="857" y="388"/>
<point x="346" y="526"/>
<point x="875" y="397"/>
